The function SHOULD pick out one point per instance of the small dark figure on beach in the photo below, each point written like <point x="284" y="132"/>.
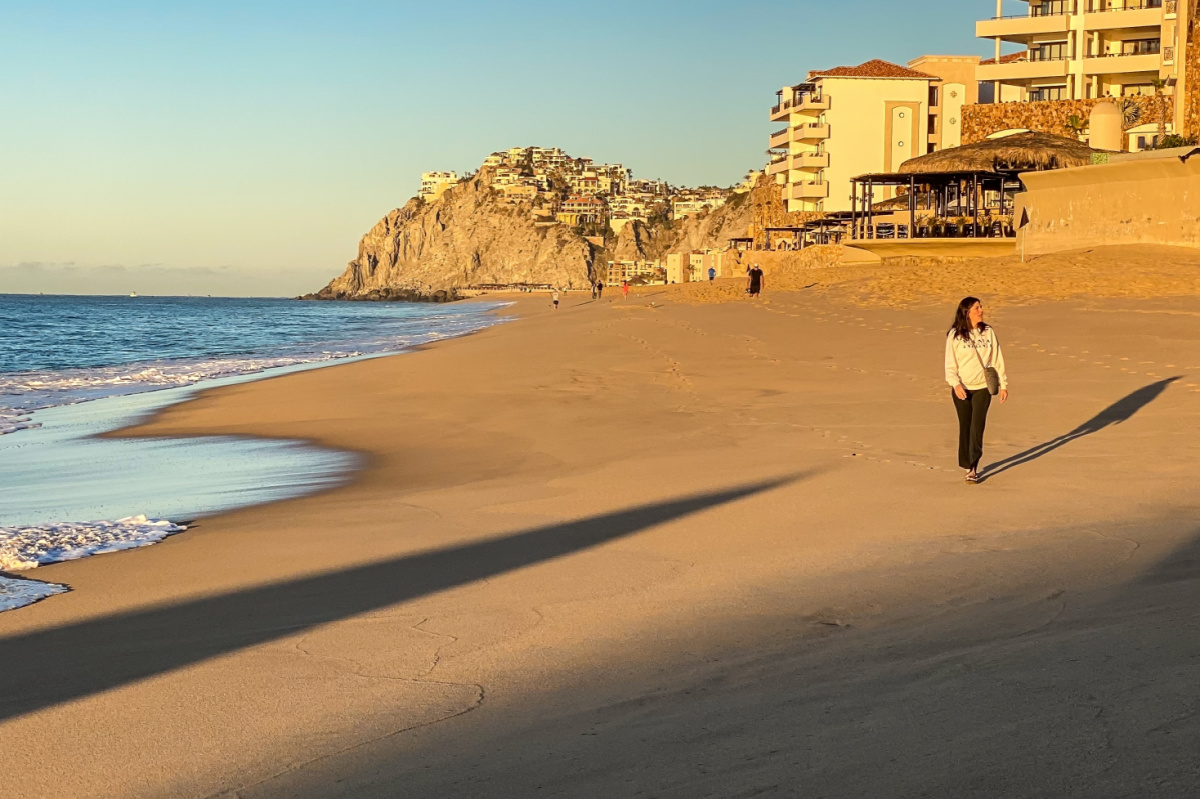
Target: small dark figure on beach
<point x="712" y="274"/>
<point x="755" y="280"/>
<point x="600" y="290"/>
<point x="594" y="286"/>
<point x="971" y="349"/>
<point x="554" y="297"/>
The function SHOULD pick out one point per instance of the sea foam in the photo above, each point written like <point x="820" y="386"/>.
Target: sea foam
<point x="24" y="548"/>
<point x="16" y="593"/>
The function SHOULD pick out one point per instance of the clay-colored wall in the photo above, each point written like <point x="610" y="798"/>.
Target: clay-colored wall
<point x="1151" y="201"/>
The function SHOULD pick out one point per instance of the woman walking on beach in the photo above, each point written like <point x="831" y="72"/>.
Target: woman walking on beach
<point x="975" y="370"/>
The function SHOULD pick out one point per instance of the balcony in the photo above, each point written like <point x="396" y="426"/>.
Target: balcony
<point x="811" y="132"/>
<point x="779" y="138"/>
<point x="809" y="161"/>
<point x="805" y="102"/>
<point x="1021" y="29"/>
<point x="811" y="103"/>
<point x="1120" y="63"/>
<point x="1115" y="19"/>
<point x="809" y="190"/>
<point x="800" y="161"/>
<point x="1021" y="70"/>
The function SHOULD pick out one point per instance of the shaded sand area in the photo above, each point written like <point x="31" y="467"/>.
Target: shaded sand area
<point x="669" y="550"/>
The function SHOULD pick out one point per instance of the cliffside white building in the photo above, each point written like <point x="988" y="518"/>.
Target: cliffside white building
<point x="434" y="184"/>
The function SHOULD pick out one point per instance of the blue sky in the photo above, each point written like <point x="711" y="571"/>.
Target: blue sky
<point x="244" y="147"/>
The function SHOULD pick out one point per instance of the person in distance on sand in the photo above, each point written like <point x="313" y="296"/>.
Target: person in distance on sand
<point x="625" y="289"/>
<point x="554" y="297"/>
<point x="971" y="349"/>
<point x="755" y="280"/>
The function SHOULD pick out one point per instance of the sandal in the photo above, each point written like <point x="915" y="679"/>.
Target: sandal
<point x="972" y="478"/>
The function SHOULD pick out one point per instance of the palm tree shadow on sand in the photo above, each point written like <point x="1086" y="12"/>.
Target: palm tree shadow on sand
<point x="1120" y="411"/>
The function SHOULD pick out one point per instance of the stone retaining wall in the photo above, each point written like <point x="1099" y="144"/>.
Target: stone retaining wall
<point x="1050" y="116"/>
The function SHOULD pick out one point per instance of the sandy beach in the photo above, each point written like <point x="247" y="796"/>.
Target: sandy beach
<point x="669" y="547"/>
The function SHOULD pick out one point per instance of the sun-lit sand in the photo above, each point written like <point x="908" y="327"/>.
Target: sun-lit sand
<point x="674" y="546"/>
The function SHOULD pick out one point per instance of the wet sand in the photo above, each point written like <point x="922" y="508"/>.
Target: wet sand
<point x="677" y="549"/>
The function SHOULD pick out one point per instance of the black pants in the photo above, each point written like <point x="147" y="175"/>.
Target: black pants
<point x="972" y="418"/>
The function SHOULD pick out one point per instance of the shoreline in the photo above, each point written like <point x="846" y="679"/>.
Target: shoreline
<point x="80" y="429"/>
<point x="583" y="535"/>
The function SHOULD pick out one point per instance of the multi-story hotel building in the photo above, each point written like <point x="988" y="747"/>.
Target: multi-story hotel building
<point x="845" y="122"/>
<point x="1087" y="49"/>
<point x="954" y="88"/>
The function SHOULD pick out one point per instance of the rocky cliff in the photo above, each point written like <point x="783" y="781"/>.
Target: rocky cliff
<point x="747" y="214"/>
<point x="472" y="236"/>
<point x="638" y="241"/>
<point x="467" y="237"/>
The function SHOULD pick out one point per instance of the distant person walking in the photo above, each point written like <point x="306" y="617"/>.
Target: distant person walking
<point x="554" y="297"/>
<point x="600" y="290"/>
<point x="975" y="370"/>
<point x="624" y="289"/>
<point x="712" y="274"/>
<point x="755" y="280"/>
<point x="594" y="287"/>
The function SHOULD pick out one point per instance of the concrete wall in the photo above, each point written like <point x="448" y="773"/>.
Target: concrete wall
<point x="1136" y="201"/>
<point x="866" y="131"/>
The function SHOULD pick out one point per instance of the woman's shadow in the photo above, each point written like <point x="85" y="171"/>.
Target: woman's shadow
<point x="1118" y="412"/>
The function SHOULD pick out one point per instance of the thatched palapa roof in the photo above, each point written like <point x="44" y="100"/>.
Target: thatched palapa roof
<point x="1021" y="152"/>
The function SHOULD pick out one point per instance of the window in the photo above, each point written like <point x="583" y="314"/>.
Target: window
<point x="1048" y="8"/>
<point x="1039" y="93"/>
<point x="1049" y="51"/>
<point x="1140" y="46"/>
<point x="933" y="96"/>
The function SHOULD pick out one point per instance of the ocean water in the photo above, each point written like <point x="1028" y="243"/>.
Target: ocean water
<point x="74" y="367"/>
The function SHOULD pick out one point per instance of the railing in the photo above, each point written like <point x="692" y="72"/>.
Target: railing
<point x="795" y="101"/>
<point x="1102" y="7"/>
<point x="1155" y="51"/>
<point x="1060" y="13"/>
<point x="1034" y="58"/>
<point x="1170" y="6"/>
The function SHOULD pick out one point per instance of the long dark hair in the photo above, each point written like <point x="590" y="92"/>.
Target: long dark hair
<point x="962" y="319"/>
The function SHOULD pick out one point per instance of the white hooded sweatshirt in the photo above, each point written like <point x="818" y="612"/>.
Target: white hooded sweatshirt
<point x="962" y="364"/>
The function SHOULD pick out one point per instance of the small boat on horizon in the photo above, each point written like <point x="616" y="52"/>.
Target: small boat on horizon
<point x="133" y="294"/>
